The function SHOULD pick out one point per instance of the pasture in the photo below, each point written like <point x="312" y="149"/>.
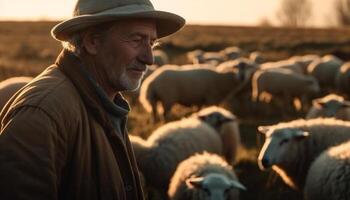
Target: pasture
<point x="26" y="48"/>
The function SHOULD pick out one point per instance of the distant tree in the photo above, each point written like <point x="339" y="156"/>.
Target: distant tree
<point x="294" y="13"/>
<point x="265" y="22"/>
<point x="342" y="12"/>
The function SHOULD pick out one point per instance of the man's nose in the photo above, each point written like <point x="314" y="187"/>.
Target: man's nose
<point x="147" y="55"/>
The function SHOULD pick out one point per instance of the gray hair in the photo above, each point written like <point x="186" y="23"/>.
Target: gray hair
<point x="75" y="44"/>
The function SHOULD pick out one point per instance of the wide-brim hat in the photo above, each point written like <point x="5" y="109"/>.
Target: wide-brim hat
<point x="92" y="12"/>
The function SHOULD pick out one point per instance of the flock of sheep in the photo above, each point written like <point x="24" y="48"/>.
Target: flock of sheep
<point x="311" y="155"/>
<point x="215" y="76"/>
<point x="193" y="158"/>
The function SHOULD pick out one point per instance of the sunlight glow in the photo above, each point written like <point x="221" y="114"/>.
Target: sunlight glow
<point x="227" y="12"/>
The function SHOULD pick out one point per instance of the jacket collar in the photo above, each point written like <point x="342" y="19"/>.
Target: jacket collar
<point x="92" y="94"/>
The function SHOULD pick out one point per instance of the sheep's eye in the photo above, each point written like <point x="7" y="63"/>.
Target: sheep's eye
<point x="283" y="141"/>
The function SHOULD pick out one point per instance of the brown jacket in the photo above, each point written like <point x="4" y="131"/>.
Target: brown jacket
<point x="57" y="141"/>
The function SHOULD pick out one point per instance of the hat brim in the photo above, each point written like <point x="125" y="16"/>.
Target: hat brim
<point x="167" y="23"/>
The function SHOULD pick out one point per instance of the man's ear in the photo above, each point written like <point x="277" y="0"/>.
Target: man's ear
<point x="90" y="42"/>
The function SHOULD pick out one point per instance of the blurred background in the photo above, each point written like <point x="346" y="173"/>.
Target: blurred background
<point x="275" y="30"/>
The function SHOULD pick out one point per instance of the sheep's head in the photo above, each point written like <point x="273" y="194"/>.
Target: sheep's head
<point x="215" y="116"/>
<point x="279" y="146"/>
<point x="215" y="186"/>
<point x="329" y="108"/>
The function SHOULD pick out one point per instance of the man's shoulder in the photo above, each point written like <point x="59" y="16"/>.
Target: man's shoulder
<point x="51" y="91"/>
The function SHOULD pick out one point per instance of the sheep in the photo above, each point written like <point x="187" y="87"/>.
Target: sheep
<point x="199" y="57"/>
<point x="325" y="70"/>
<point x="193" y="56"/>
<point x="10" y="86"/>
<point x="133" y="96"/>
<point x="246" y="66"/>
<point x="225" y="123"/>
<point x="189" y="86"/>
<point x="212" y="129"/>
<point x="211" y="57"/>
<point x="342" y="79"/>
<point x="283" y="64"/>
<point x="329" y="175"/>
<point x="231" y="53"/>
<point x="199" y="65"/>
<point x="331" y="105"/>
<point x="241" y="95"/>
<point x="204" y="176"/>
<point x="291" y="147"/>
<point x="304" y="60"/>
<point x="256" y="57"/>
<point x="284" y="84"/>
<point x="160" y="58"/>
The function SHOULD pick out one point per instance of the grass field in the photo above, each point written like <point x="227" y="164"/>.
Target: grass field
<point x="26" y="48"/>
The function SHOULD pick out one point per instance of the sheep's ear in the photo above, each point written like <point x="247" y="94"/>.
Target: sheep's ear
<point x="238" y="185"/>
<point x="194" y="182"/>
<point x="263" y="129"/>
<point x="201" y="117"/>
<point x="300" y="134"/>
<point x="318" y="103"/>
<point x="322" y="104"/>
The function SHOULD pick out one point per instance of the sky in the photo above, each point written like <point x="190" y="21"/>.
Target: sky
<point x="205" y="12"/>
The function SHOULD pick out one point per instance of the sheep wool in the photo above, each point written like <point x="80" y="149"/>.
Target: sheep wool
<point x="159" y="155"/>
<point x="10" y="86"/>
<point x="204" y="176"/>
<point x="329" y="175"/>
<point x="187" y="86"/>
<point x="226" y="124"/>
<point x="212" y="129"/>
<point x="291" y="147"/>
<point x="283" y="81"/>
<point x="331" y="105"/>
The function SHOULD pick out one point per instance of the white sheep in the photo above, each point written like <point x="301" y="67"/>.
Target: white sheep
<point x="211" y="57"/>
<point x="325" y="70"/>
<point x="291" y="147"/>
<point x="245" y="66"/>
<point x="193" y="56"/>
<point x="331" y="105"/>
<point x="10" y="86"/>
<point x="187" y="86"/>
<point x="284" y="85"/>
<point x="225" y="123"/>
<point x="158" y="156"/>
<point x="133" y="96"/>
<point x="204" y="177"/>
<point x="304" y="61"/>
<point x="231" y="53"/>
<point x="342" y="83"/>
<point x="160" y="58"/>
<point x="257" y="57"/>
<point x="329" y="175"/>
<point x="283" y="64"/>
<point x="200" y="57"/>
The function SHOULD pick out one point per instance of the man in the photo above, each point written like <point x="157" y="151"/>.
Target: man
<point x="63" y="136"/>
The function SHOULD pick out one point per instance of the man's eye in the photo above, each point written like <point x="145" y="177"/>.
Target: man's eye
<point x="137" y="41"/>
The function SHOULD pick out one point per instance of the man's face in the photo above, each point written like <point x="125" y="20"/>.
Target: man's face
<point x="124" y="53"/>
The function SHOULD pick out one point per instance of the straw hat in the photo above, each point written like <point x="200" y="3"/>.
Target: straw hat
<point x="92" y="12"/>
